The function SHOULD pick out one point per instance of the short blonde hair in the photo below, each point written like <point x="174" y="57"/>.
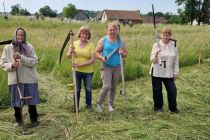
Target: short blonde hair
<point x="166" y="30"/>
<point x="84" y="29"/>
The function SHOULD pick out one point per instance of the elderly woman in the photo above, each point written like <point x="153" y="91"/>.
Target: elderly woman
<point x="19" y="60"/>
<point x="110" y="71"/>
<point x="84" y="58"/>
<point x="164" y="69"/>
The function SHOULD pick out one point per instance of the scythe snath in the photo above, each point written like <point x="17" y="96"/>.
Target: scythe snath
<point x="156" y="34"/>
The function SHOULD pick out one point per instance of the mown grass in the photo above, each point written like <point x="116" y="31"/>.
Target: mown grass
<point x="132" y="120"/>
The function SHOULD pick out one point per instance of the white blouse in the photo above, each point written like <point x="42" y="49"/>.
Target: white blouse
<point x="169" y="60"/>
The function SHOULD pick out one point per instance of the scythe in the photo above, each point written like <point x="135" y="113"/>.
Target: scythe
<point x="70" y="37"/>
<point x="157" y="37"/>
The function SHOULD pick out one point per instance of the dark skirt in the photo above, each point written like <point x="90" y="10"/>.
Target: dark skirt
<point x="26" y="90"/>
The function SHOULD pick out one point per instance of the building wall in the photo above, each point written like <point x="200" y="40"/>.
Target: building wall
<point x="104" y="17"/>
<point x="80" y="16"/>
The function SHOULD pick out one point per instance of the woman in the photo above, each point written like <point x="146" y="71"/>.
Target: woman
<point x="19" y="60"/>
<point x="165" y="68"/>
<point x="84" y="58"/>
<point x="110" y="70"/>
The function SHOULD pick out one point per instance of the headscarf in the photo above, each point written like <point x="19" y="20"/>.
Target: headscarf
<point x="21" y="47"/>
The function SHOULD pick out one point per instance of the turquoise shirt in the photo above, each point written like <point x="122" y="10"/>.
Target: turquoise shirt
<point x="107" y="48"/>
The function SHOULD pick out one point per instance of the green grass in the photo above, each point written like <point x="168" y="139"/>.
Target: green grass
<point x="132" y="120"/>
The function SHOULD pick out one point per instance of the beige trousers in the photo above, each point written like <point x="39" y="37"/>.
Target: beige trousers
<point x="110" y="77"/>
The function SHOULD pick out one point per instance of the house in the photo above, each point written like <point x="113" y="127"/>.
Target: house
<point x="122" y="16"/>
<point x="98" y="16"/>
<point x="149" y="19"/>
<point x="81" y="16"/>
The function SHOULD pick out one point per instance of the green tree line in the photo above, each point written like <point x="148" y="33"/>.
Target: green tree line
<point x="198" y="10"/>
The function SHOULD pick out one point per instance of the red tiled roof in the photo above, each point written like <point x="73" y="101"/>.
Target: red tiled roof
<point x="122" y="14"/>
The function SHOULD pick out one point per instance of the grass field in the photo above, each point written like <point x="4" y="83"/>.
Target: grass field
<point x="132" y="120"/>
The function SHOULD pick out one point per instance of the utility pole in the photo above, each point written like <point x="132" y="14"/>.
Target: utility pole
<point x="5" y="14"/>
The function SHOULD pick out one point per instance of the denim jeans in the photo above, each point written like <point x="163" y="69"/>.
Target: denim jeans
<point x="87" y="80"/>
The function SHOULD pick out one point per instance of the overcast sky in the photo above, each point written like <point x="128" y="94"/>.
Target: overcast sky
<point x="96" y="5"/>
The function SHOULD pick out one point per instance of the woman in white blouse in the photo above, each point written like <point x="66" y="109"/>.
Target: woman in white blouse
<point x="165" y="68"/>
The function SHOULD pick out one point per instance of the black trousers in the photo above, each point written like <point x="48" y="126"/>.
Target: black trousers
<point x="32" y="112"/>
<point x="158" y="96"/>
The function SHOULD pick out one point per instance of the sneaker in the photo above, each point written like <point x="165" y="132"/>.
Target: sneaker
<point x="16" y="124"/>
<point x="99" y="108"/>
<point x="110" y="108"/>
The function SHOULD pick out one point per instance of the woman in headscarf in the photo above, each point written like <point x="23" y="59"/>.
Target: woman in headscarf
<point x="19" y="60"/>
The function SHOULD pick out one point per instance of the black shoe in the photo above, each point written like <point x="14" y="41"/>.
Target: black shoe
<point x="88" y="107"/>
<point x="175" y="111"/>
<point x="34" y="124"/>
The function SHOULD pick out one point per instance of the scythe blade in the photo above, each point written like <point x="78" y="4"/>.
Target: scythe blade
<point x="5" y="42"/>
<point x="63" y="47"/>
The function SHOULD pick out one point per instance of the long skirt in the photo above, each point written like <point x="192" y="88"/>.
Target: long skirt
<point x="26" y="90"/>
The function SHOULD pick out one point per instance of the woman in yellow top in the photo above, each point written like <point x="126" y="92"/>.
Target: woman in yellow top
<point x="84" y="58"/>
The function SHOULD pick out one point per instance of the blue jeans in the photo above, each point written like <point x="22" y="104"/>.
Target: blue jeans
<point x="87" y="79"/>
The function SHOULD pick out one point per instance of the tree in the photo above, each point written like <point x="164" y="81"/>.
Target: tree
<point x="15" y="9"/>
<point x="194" y="10"/>
<point x="36" y="15"/>
<point x="171" y="19"/>
<point x="18" y="10"/>
<point x="159" y="14"/>
<point x="24" y="12"/>
<point x="47" y="11"/>
<point x="204" y="12"/>
<point x="69" y="11"/>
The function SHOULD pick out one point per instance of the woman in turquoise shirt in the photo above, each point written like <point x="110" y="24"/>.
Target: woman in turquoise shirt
<point x="110" y="70"/>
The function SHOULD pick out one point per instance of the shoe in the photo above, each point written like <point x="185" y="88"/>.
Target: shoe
<point x="34" y="124"/>
<point x="16" y="124"/>
<point x="74" y="110"/>
<point x="175" y="111"/>
<point x="99" y="108"/>
<point x="88" y="107"/>
<point x="158" y="110"/>
<point x="110" y="108"/>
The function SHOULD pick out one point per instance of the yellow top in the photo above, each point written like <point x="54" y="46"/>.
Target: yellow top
<point x="82" y="55"/>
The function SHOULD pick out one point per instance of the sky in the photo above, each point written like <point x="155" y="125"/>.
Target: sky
<point x="96" y="5"/>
